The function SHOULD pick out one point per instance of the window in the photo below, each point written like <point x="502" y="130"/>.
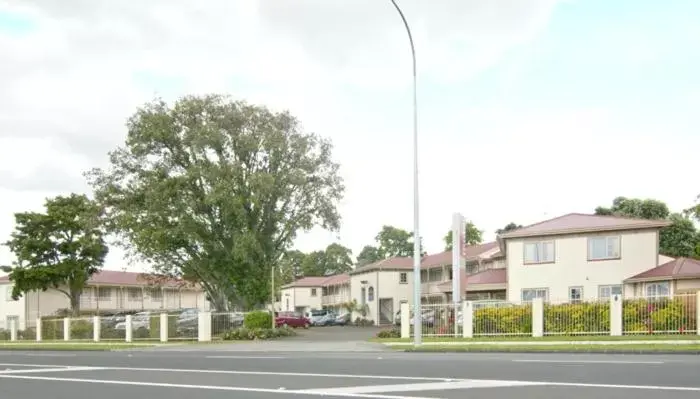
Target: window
<point x="538" y="252"/>
<point x="656" y="290"/>
<point x="156" y="295"/>
<point x="135" y="294"/>
<point x="403" y="278"/>
<point x="575" y="294"/>
<point x="104" y="293"/>
<point x="370" y="294"/>
<point x="606" y="291"/>
<point x="363" y="296"/>
<point x="529" y="294"/>
<point x="313" y="292"/>
<point x="601" y="248"/>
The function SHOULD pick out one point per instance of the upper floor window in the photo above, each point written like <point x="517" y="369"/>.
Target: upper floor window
<point x="538" y="252"/>
<point x="659" y="289"/>
<point x="403" y="278"/>
<point x="313" y="292"/>
<point x="528" y="294"/>
<point x="606" y="291"/>
<point x="156" y="294"/>
<point x="601" y="248"/>
<point x="370" y="294"/>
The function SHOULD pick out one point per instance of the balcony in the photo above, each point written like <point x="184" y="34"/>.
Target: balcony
<point x="335" y="299"/>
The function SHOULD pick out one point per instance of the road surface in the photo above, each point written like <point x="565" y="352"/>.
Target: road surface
<point x="207" y="374"/>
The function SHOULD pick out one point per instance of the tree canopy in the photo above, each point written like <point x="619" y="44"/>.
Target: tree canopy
<point x="216" y="190"/>
<point x="509" y="227"/>
<point x="389" y="242"/>
<point x="335" y="259"/>
<point x="681" y="238"/>
<point x="59" y="249"/>
<point x="369" y="254"/>
<point x="472" y="236"/>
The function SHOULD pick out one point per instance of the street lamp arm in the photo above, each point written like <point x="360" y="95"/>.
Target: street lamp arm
<point x="410" y="35"/>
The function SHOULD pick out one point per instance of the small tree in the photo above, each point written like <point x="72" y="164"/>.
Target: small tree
<point x="60" y="249"/>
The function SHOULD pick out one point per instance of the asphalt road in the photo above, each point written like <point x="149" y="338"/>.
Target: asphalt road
<point x="217" y="375"/>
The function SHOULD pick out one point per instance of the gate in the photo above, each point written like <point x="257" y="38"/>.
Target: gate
<point x="386" y="310"/>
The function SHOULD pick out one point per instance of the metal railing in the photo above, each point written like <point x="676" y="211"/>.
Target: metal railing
<point x="564" y="317"/>
<point x="660" y="315"/>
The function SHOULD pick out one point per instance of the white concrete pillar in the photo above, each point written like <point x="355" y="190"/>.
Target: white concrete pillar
<point x="38" y="329"/>
<point x="467" y="319"/>
<point x="13" y="329"/>
<point x="616" y="315"/>
<point x="66" y="329"/>
<point x="96" y="326"/>
<point x="405" y="320"/>
<point x="128" y="327"/>
<point x="204" y="327"/>
<point x="163" y="327"/>
<point x="538" y="317"/>
<point x="697" y="312"/>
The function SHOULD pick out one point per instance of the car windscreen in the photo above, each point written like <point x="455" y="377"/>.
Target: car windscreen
<point x="318" y="312"/>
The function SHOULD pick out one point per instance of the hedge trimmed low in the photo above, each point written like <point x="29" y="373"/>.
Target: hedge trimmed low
<point x="250" y="334"/>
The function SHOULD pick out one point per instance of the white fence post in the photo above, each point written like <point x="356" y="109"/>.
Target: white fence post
<point x="66" y="329"/>
<point x="538" y="317"/>
<point x="616" y="315"/>
<point x="128" y="328"/>
<point x="13" y="329"/>
<point x="163" y="327"/>
<point x="467" y="319"/>
<point x="405" y="320"/>
<point x="697" y="312"/>
<point x="204" y="327"/>
<point x="96" y="326"/>
<point x="38" y="329"/>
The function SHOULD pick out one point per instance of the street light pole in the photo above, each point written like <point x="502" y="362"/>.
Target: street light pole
<point x="417" y="322"/>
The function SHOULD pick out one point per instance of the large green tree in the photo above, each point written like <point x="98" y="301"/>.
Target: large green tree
<point x="335" y="259"/>
<point x="216" y="190"/>
<point x="392" y="241"/>
<point x="681" y="238"/>
<point x="58" y="249"/>
<point x="369" y="254"/>
<point x="472" y="236"/>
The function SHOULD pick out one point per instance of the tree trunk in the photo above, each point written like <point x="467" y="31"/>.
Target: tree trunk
<point x="75" y="304"/>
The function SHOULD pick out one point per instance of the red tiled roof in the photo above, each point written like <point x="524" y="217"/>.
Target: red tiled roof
<point x="680" y="268"/>
<point x="112" y="277"/>
<point x="580" y="223"/>
<point x="337" y="279"/>
<point x="490" y="276"/>
<point x="307" y="282"/>
<point x="445" y="258"/>
<point x="395" y="263"/>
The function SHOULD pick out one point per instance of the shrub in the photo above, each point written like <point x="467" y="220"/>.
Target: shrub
<point x="512" y="320"/>
<point x="81" y="329"/>
<point x="577" y="318"/>
<point x="658" y="315"/>
<point x="4" y="335"/>
<point x="257" y="320"/>
<point x="154" y="324"/>
<point x="391" y="333"/>
<point x="362" y="322"/>
<point x="249" y="334"/>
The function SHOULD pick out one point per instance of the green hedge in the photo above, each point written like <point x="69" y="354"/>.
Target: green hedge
<point x="677" y="315"/>
<point x="257" y="320"/>
<point x="577" y="318"/>
<point x="514" y="320"/>
<point x="251" y="334"/>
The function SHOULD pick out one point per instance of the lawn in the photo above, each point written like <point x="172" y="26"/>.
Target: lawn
<point x="592" y="348"/>
<point x="567" y="338"/>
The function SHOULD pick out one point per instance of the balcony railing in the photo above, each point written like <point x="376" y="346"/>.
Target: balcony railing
<point x="335" y="299"/>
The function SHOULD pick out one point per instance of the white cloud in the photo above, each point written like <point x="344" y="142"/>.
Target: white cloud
<point x="343" y="68"/>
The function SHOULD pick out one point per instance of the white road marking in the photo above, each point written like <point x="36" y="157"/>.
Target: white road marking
<point x="586" y="361"/>
<point x="34" y="365"/>
<point x="245" y="357"/>
<point x="205" y="387"/>
<point x="46" y="354"/>
<point x="430" y="386"/>
<point x="51" y="370"/>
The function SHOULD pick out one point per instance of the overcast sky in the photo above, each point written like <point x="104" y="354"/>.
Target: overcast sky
<point x="529" y="109"/>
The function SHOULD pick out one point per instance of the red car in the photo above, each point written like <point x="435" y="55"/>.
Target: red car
<point x="291" y="319"/>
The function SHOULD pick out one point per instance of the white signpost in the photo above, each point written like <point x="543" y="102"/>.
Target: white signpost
<point x="458" y="246"/>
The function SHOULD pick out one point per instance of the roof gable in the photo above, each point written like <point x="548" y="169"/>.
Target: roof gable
<point x="583" y="223"/>
<point x="680" y="268"/>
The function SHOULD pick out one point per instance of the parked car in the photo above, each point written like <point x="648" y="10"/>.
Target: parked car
<point x="342" y="319"/>
<point x="322" y="317"/>
<point x="291" y="319"/>
<point x="139" y="320"/>
<point x="187" y="321"/>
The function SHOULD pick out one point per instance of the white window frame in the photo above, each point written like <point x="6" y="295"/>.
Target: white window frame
<point x="134" y="294"/>
<point x="651" y="290"/>
<point x="156" y="294"/>
<point x="611" y="244"/>
<point x="101" y="291"/>
<point x="542" y="255"/>
<point x="403" y="278"/>
<point x="538" y="293"/>
<point x="580" y="294"/>
<point x="609" y="288"/>
<point x="314" y="292"/>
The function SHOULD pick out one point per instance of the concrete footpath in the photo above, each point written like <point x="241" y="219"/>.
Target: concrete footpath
<point x="547" y="343"/>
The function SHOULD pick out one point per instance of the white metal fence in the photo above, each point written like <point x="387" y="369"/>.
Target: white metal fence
<point x="162" y="327"/>
<point x="678" y="314"/>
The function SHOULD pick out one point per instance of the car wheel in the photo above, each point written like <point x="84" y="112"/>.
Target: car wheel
<point x="306" y="325"/>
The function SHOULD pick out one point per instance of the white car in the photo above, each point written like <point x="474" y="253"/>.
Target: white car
<point x="139" y="320"/>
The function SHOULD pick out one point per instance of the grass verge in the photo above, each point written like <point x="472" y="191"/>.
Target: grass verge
<point x="71" y="346"/>
<point x="652" y="348"/>
<point x="553" y="338"/>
